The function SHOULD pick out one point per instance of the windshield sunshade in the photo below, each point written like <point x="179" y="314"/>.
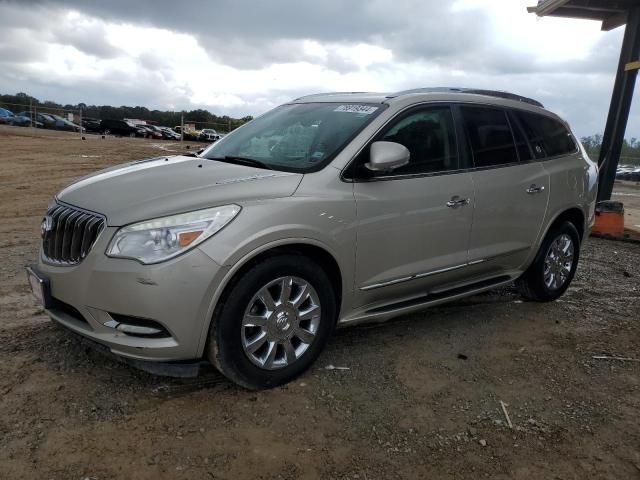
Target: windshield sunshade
<point x="298" y="137"/>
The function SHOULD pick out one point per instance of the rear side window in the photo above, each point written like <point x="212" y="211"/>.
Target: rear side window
<point x="490" y="136"/>
<point x="548" y="137"/>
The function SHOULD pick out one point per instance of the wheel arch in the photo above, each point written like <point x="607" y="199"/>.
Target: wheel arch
<point x="575" y="215"/>
<point x="531" y="282"/>
<point x="307" y="247"/>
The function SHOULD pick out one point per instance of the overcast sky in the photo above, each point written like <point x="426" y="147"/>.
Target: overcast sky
<point x="242" y="58"/>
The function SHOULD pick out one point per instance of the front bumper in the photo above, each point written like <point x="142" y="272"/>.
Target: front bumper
<point x="178" y="369"/>
<point x="176" y="295"/>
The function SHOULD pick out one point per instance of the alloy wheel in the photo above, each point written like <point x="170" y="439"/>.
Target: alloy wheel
<point x="280" y="323"/>
<point x="558" y="262"/>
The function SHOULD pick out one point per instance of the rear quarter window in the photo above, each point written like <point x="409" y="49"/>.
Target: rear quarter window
<point x="548" y="137"/>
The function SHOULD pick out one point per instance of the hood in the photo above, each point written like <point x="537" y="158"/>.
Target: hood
<point x="168" y="185"/>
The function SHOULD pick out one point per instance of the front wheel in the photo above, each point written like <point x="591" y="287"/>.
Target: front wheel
<point x="273" y="323"/>
<point x="555" y="265"/>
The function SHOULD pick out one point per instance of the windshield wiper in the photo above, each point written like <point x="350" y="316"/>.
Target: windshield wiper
<point x="251" y="162"/>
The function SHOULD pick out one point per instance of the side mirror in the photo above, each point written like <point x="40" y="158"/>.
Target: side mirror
<point x="387" y="156"/>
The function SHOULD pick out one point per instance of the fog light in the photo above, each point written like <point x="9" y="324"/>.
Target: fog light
<point x="136" y="327"/>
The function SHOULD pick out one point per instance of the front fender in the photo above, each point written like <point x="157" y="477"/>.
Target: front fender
<point x="329" y="225"/>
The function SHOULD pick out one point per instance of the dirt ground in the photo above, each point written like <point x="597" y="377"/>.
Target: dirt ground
<point x="420" y="398"/>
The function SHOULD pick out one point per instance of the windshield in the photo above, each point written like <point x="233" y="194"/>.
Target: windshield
<point x="298" y="138"/>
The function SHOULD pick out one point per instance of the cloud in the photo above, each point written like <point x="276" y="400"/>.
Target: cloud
<point x="86" y="35"/>
<point x="251" y="36"/>
<point x="242" y="58"/>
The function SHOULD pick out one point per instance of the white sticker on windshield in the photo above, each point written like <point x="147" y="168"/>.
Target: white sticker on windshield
<point x="366" y="109"/>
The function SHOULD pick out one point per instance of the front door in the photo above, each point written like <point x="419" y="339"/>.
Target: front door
<point x="414" y="222"/>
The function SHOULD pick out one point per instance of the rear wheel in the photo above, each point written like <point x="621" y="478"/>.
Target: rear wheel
<point x="273" y="323"/>
<point x="555" y="265"/>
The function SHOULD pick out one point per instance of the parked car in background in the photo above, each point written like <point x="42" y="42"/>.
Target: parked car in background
<point x="328" y="211"/>
<point x="151" y="130"/>
<point x="632" y="175"/>
<point x="45" y="120"/>
<point x="61" y="123"/>
<point x="158" y="131"/>
<point x="123" y="128"/>
<point x="64" y="124"/>
<point x="19" y="120"/>
<point x="51" y="121"/>
<point x="628" y="172"/>
<point x="208" y="135"/>
<point x="621" y="170"/>
<point x="92" y="124"/>
<point x="169" y="134"/>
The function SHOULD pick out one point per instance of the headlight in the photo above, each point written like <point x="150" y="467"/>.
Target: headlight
<point x="163" y="238"/>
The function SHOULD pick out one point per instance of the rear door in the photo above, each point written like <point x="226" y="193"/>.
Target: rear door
<point x="512" y="190"/>
<point x="555" y="147"/>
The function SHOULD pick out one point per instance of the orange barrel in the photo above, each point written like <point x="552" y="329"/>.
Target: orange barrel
<point x="609" y="219"/>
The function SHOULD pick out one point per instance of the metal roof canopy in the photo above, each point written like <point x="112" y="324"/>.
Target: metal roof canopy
<point x="612" y="14"/>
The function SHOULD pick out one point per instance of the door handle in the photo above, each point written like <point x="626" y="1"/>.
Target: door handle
<point x="456" y="202"/>
<point x="533" y="188"/>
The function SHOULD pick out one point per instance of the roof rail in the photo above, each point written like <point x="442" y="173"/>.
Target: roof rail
<point x="325" y="94"/>
<point x="476" y="91"/>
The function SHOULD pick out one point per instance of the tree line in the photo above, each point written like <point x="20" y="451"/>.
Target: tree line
<point x="202" y="118"/>
<point x="630" y="149"/>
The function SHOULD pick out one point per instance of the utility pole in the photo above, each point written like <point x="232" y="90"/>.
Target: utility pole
<point x="32" y="114"/>
<point x="80" y="123"/>
<point x="182" y="128"/>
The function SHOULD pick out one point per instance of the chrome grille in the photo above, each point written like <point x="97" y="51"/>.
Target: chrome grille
<point x="68" y="233"/>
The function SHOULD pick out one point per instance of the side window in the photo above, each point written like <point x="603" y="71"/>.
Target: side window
<point x="429" y="135"/>
<point x="548" y="137"/>
<point x="490" y="136"/>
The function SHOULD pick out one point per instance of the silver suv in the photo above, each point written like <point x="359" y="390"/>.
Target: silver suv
<point x="333" y="209"/>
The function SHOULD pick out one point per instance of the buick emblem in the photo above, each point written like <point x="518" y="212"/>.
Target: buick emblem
<point x="282" y="321"/>
<point x="45" y="226"/>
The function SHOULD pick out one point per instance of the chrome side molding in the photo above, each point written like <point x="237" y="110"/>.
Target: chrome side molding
<point x="440" y="270"/>
<point x="412" y="277"/>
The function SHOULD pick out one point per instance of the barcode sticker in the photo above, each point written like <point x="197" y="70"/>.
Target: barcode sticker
<point x="366" y="109"/>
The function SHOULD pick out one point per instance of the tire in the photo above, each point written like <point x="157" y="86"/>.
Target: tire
<point x="549" y="275"/>
<point x="231" y="346"/>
